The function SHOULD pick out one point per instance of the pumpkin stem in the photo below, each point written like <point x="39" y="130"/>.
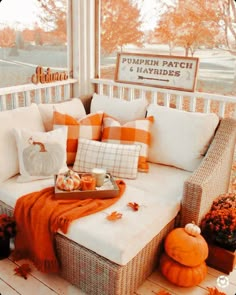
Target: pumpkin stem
<point x="42" y="146"/>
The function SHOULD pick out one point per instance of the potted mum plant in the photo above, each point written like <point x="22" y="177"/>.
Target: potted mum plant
<point x="219" y="224"/>
<point x="7" y="231"/>
<point x="219" y="229"/>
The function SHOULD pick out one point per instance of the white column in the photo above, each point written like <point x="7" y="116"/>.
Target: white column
<point x="83" y="40"/>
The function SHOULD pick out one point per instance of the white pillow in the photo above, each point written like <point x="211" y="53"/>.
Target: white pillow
<point x="23" y="117"/>
<point x="121" y="160"/>
<point x="41" y="154"/>
<point x="73" y="107"/>
<point x="121" y="109"/>
<point x="180" y="138"/>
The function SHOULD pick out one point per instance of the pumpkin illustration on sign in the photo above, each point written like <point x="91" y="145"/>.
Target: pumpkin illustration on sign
<point x="43" y="159"/>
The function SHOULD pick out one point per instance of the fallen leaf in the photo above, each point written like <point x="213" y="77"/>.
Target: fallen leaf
<point x="215" y="291"/>
<point x="23" y="270"/>
<point x="114" y="216"/>
<point x="162" y="292"/>
<point x="133" y="205"/>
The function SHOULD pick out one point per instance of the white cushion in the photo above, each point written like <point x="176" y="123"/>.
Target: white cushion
<point x="24" y="117"/>
<point x="180" y="138"/>
<point x="41" y="154"/>
<point x="158" y="193"/>
<point x="73" y="107"/>
<point x="120" y="160"/>
<point x="121" y="109"/>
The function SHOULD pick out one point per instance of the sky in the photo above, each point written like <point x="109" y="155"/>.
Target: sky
<point x="13" y="11"/>
<point x="23" y="12"/>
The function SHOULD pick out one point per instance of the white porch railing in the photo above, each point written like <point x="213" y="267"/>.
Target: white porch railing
<point x="24" y="95"/>
<point x="224" y="106"/>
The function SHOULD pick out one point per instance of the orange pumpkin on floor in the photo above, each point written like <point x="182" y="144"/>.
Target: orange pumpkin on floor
<point x="181" y="275"/>
<point x="186" y="246"/>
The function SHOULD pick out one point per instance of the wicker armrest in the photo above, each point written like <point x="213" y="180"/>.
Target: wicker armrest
<point x="212" y="177"/>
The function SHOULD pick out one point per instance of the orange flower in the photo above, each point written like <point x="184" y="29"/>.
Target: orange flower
<point x="219" y="224"/>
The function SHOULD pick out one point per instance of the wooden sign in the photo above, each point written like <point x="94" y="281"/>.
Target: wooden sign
<point x="174" y="72"/>
<point x="48" y="76"/>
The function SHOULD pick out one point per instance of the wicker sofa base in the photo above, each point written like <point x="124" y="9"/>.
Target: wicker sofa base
<point x="97" y="275"/>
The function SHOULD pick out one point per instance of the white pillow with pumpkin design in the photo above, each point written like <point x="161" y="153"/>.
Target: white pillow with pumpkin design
<point x="41" y="154"/>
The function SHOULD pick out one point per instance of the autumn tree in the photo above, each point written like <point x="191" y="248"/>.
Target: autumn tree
<point x="120" y="25"/>
<point x="190" y="24"/>
<point x="227" y="22"/>
<point x="7" y="39"/>
<point x="165" y="33"/>
<point x="54" y="17"/>
<point x="28" y="35"/>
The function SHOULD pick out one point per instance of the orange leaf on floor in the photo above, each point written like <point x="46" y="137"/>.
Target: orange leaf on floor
<point x="133" y="205"/>
<point x="215" y="291"/>
<point x="114" y="216"/>
<point x="23" y="270"/>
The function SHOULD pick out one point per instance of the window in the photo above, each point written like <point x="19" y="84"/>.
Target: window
<point x="32" y="33"/>
<point x="200" y="28"/>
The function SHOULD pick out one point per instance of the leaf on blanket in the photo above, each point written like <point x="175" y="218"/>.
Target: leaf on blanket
<point x="23" y="270"/>
<point x="114" y="216"/>
<point x="215" y="291"/>
<point x="162" y="292"/>
<point x="134" y="206"/>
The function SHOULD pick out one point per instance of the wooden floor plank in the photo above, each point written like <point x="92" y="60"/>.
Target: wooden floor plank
<point x="148" y="288"/>
<point x="53" y="281"/>
<point x="6" y="289"/>
<point x="210" y="281"/>
<point x="24" y="287"/>
<point x="232" y="278"/>
<point x="50" y="284"/>
<point x="158" y="278"/>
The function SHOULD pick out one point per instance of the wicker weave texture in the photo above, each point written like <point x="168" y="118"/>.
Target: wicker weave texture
<point x="213" y="175"/>
<point x="96" y="275"/>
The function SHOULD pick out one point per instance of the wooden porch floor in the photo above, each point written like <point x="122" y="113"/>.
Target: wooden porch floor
<point x="49" y="284"/>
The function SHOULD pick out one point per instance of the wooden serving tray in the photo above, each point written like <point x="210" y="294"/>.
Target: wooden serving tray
<point x="108" y="190"/>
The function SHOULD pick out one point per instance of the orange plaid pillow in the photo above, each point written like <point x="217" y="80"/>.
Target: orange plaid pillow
<point x="88" y="127"/>
<point x="133" y="132"/>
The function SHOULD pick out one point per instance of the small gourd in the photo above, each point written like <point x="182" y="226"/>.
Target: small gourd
<point x="68" y="181"/>
<point x="192" y="229"/>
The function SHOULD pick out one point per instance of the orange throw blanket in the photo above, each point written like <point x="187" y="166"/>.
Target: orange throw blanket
<point x="39" y="216"/>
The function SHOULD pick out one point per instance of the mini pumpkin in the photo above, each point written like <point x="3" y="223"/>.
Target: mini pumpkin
<point x="181" y="275"/>
<point x="43" y="159"/>
<point x="68" y="181"/>
<point x="192" y="229"/>
<point x="185" y="248"/>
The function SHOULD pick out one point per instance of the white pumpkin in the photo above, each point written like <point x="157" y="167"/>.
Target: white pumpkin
<point x="43" y="159"/>
<point x="192" y="229"/>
